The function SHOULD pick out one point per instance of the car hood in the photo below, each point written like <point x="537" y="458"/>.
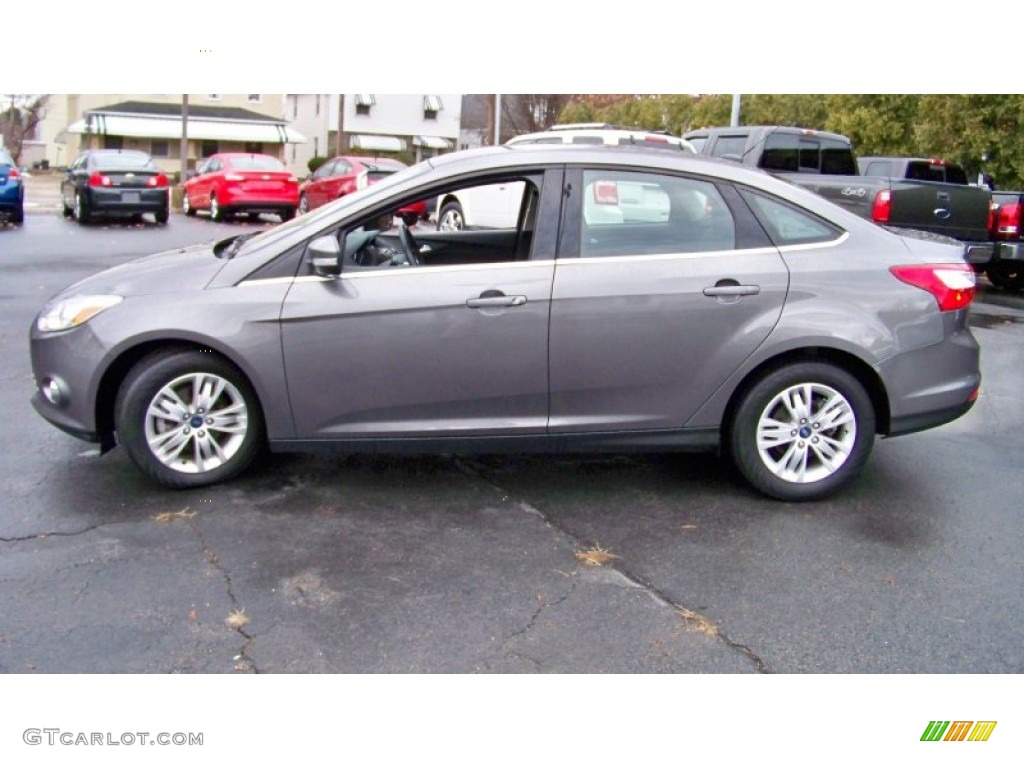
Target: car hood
<point x="181" y="269"/>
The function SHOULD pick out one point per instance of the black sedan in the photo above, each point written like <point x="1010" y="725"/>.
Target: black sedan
<point x="114" y="182"/>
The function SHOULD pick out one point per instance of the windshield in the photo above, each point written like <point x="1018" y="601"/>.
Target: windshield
<point x="324" y="215"/>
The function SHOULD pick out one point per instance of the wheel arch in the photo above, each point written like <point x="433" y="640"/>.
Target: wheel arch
<point x="116" y="372"/>
<point x="855" y="366"/>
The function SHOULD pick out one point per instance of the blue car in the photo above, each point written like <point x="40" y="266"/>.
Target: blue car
<point x="12" y="190"/>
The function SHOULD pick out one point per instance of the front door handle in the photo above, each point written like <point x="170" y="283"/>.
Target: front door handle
<point x="733" y="290"/>
<point x="489" y="300"/>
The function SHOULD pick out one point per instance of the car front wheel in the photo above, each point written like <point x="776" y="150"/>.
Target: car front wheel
<point x="188" y="418"/>
<point x="802" y="431"/>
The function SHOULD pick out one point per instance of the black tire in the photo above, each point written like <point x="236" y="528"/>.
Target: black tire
<point x="81" y="209"/>
<point x="410" y="219"/>
<point x="229" y="447"/>
<point x="18" y="214"/>
<point x="1007" y="275"/>
<point x="162" y="217"/>
<point x="450" y="218"/>
<point x="216" y="212"/>
<point x="287" y="214"/>
<point x="65" y="209"/>
<point x="186" y="205"/>
<point x="303" y="205"/>
<point x="794" y="469"/>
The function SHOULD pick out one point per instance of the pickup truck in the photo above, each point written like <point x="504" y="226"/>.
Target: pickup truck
<point x="824" y="163"/>
<point x="1006" y="268"/>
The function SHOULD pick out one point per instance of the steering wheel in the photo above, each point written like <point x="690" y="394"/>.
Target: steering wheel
<point x="409" y="245"/>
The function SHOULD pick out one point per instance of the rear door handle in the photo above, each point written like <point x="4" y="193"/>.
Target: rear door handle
<point x="733" y="290"/>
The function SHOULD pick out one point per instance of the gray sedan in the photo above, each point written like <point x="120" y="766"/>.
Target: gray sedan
<point x="642" y="301"/>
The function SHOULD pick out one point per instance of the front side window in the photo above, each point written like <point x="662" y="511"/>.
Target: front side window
<point x="628" y="213"/>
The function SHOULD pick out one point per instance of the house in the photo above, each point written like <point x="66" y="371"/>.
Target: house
<point x="153" y="123"/>
<point x="410" y="127"/>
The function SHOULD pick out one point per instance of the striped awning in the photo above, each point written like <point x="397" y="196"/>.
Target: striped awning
<point x="377" y="143"/>
<point x="140" y="126"/>
<point x="365" y="100"/>
<point x="432" y="104"/>
<point x="432" y="142"/>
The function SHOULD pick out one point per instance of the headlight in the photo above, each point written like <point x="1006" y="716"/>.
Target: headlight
<point x="74" y="311"/>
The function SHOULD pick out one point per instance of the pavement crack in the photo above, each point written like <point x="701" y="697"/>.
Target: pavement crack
<point x="243" y="661"/>
<point x="49" y="534"/>
<point x="692" y="618"/>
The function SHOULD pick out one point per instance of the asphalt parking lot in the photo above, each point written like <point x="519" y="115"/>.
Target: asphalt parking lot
<point x="341" y="563"/>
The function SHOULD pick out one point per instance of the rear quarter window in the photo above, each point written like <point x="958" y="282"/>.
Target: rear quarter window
<point x="787" y="224"/>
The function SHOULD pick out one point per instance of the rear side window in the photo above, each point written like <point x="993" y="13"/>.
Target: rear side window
<point x="787" y="224"/>
<point x="627" y="213"/>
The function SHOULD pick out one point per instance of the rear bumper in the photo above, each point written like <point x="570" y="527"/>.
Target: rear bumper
<point x="241" y="200"/>
<point x="1008" y="252"/>
<point x="979" y="253"/>
<point x="127" y="201"/>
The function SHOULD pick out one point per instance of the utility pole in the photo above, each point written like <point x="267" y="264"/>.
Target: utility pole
<point x="735" y="119"/>
<point x="184" y="138"/>
<point x="497" y="119"/>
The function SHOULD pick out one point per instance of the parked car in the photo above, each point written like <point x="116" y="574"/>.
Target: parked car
<point x="1006" y="268"/>
<point x="233" y="183"/>
<point x="758" y="318"/>
<point x="342" y="176"/>
<point x="496" y="205"/>
<point x="12" y="190"/>
<point x="114" y="182"/>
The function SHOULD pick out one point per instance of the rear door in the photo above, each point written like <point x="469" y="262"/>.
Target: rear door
<point x="650" y="315"/>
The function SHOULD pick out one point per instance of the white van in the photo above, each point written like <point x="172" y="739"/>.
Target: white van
<point x="497" y="205"/>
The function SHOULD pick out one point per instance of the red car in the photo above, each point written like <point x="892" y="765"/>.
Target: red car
<point x="235" y="182"/>
<point x="341" y="176"/>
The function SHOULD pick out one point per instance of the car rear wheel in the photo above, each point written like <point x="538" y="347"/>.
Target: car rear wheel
<point x="216" y="212"/>
<point x="1007" y="275"/>
<point x="188" y="418"/>
<point x="18" y="214"/>
<point x="451" y="218"/>
<point x="81" y="209"/>
<point x="802" y="431"/>
<point x="162" y="217"/>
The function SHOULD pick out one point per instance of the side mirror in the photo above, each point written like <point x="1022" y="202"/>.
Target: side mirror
<point x="326" y="256"/>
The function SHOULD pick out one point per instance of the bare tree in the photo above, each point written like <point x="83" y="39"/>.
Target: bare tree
<point x="18" y="122"/>
<point x="530" y="112"/>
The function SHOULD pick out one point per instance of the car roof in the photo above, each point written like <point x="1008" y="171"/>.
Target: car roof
<point x="608" y="134"/>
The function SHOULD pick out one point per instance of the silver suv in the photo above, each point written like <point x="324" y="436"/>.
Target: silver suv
<point x="729" y="311"/>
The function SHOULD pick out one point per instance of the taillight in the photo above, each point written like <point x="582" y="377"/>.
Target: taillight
<point x="1009" y="220"/>
<point x="993" y="214"/>
<point x="13" y="173"/>
<point x="883" y="206"/>
<point x="97" y="179"/>
<point x="233" y="177"/>
<point x="160" y="180"/>
<point x="606" y="193"/>
<point x="952" y="285"/>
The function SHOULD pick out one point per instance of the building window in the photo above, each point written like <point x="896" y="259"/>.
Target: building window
<point x="363" y="103"/>
<point x="160" y="148"/>
<point x="113" y="142"/>
<point x="209" y="148"/>
<point x="254" y="148"/>
<point x="213" y="96"/>
<point x="254" y="98"/>
<point x="431" y="106"/>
